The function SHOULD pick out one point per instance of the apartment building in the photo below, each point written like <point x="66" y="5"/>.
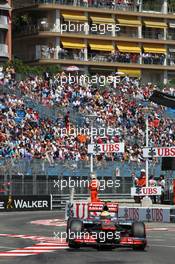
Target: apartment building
<point x="133" y="37"/>
<point x="5" y="31"/>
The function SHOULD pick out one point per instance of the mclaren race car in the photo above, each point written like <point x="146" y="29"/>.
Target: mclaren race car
<point x="104" y="230"/>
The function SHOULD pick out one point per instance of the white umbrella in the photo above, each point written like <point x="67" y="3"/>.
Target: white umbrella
<point x="120" y="73"/>
<point x="72" y="68"/>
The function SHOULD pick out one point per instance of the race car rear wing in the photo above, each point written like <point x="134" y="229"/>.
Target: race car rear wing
<point x="98" y="207"/>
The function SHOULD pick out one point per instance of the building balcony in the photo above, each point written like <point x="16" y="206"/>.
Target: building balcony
<point x="150" y="34"/>
<point x="3" y="50"/>
<point x="3" y="22"/>
<point x="131" y="6"/>
<point x="44" y="54"/>
<point x="124" y="35"/>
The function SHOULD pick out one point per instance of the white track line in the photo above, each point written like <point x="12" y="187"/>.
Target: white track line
<point x="8" y="254"/>
<point x="165" y="246"/>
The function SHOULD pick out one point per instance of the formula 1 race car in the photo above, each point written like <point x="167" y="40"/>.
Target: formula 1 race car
<point x="104" y="230"/>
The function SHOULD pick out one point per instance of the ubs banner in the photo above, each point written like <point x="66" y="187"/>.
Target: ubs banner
<point x="22" y="203"/>
<point x="162" y="215"/>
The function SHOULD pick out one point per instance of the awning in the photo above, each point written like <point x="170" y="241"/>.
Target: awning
<point x="132" y="48"/>
<point x="153" y="24"/>
<point x="154" y="49"/>
<point x="129" y="22"/>
<point x="101" y="46"/>
<point x="73" y="44"/>
<point x="102" y="20"/>
<point x="69" y="16"/>
<point x="130" y="72"/>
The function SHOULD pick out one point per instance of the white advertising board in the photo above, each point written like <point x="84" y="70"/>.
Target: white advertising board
<point x="145" y="191"/>
<point x="106" y="148"/>
<point x="159" y="152"/>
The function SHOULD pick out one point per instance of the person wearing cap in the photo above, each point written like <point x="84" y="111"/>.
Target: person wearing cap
<point x="161" y="183"/>
<point x="94" y="188"/>
<point x="134" y="179"/>
<point x="152" y="183"/>
<point x="142" y="179"/>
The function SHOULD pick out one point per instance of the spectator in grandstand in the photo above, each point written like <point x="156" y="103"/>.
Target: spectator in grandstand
<point x="161" y="183"/>
<point x="26" y="134"/>
<point x="152" y="183"/>
<point x="134" y="179"/>
<point x="142" y="179"/>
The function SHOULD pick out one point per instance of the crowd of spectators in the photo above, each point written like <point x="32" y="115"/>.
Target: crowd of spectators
<point x="115" y="56"/>
<point x="113" y="4"/>
<point x="150" y="58"/>
<point x="24" y="134"/>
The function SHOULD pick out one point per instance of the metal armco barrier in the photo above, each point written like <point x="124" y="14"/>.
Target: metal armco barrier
<point x="59" y="201"/>
<point x="152" y="214"/>
<point x="24" y="203"/>
<point x="174" y="192"/>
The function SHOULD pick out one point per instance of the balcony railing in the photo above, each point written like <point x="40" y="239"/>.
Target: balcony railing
<point x="153" y="59"/>
<point x="132" y="6"/>
<point x="3" y="50"/>
<point x="116" y="57"/>
<point x="34" y="29"/>
<point x="131" y="33"/>
<point x="106" y="4"/>
<point x="153" y="35"/>
<point x="171" y="36"/>
<point x="171" y="9"/>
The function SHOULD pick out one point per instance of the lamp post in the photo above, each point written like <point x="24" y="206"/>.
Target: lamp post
<point x="147" y="146"/>
<point x="146" y="110"/>
<point x="92" y="118"/>
<point x="147" y="200"/>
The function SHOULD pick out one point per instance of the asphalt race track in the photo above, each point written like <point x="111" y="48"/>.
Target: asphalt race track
<point x="29" y="243"/>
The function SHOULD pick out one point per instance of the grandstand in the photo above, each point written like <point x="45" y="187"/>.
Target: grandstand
<point x="35" y="155"/>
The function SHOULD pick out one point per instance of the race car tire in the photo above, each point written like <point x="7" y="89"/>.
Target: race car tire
<point x="104" y="248"/>
<point x="139" y="248"/>
<point x="68" y="226"/>
<point x="138" y="230"/>
<point x="75" y="227"/>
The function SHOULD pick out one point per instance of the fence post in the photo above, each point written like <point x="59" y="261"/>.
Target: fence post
<point x="34" y="185"/>
<point x="47" y="184"/>
<point x="123" y="185"/>
<point x="51" y="202"/>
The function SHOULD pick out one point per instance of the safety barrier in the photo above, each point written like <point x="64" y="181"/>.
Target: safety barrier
<point x="60" y="201"/>
<point x="135" y="213"/>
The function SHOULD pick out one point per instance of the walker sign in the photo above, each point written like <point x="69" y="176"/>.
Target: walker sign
<point x="20" y="203"/>
<point x="145" y="191"/>
<point x="106" y="148"/>
<point x="159" y="152"/>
